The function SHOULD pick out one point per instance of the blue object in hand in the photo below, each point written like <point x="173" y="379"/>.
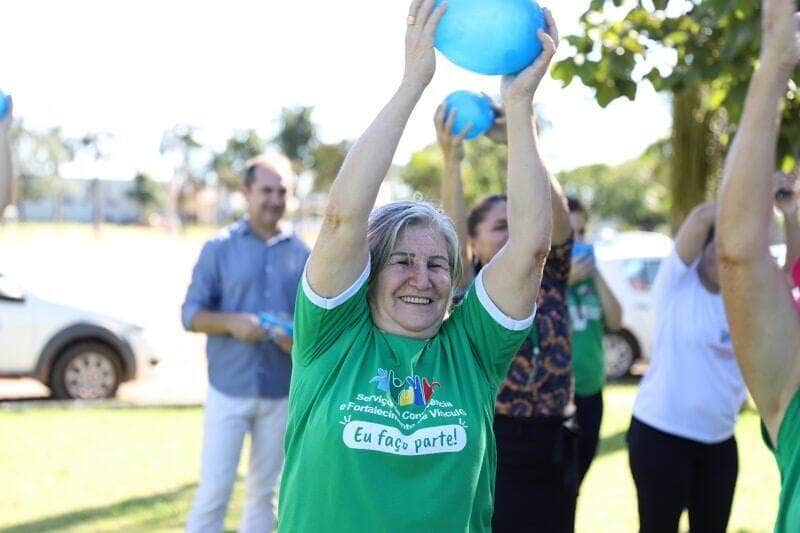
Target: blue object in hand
<point x="582" y="251"/>
<point x="470" y="107"/>
<point x="3" y="104"/>
<point x="272" y="323"/>
<point x="491" y="36"/>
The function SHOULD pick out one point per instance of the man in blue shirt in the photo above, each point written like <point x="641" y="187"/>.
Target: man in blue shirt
<point x="250" y="268"/>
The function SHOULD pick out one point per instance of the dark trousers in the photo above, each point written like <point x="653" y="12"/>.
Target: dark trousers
<point x="588" y="414"/>
<point x="672" y="473"/>
<point x="537" y="476"/>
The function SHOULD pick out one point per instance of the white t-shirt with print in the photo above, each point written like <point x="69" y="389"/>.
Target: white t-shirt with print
<point x="694" y="388"/>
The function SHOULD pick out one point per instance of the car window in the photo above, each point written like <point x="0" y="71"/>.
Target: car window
<point x="640" y="273"/>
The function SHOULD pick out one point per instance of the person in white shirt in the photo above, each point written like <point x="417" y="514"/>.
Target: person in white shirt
<point x="682" y="450"/>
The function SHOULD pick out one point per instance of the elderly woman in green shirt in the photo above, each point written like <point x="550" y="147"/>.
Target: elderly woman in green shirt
<point x="391" y="404"/>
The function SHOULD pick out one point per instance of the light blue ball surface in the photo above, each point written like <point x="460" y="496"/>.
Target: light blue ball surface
<point x="470" y="107"/>
<point x="490" y="36"/>
<point x="3" y="104"/>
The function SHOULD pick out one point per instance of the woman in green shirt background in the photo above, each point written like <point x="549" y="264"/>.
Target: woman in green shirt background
<point x="593" y="308"/>
<point x="764" y="324"/>
<point x="391" y="404"/>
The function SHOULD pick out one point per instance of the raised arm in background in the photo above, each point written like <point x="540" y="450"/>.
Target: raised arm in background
<point x="452" y="147"/>
<point x="612" y="310"/>
<point x="513" y="276"/>
<point x="340" y="253"/>
<point x="765" y="328"/>
<point x="692" y="234"/>
<point x="561" y="227"/>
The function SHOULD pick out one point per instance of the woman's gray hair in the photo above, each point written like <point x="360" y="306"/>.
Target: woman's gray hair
<point x="386" y="223"/>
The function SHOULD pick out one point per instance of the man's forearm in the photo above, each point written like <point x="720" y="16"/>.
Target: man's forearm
<point x="212" y="322"/>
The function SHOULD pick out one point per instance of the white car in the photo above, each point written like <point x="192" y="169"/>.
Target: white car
<point x="629" y="262"/>
<point x="77" y="353"/>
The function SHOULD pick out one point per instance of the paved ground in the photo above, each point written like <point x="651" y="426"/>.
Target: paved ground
<point x="139" y="277"/>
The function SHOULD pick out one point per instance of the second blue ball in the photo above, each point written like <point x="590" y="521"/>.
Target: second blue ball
<point x="470" y="107"/>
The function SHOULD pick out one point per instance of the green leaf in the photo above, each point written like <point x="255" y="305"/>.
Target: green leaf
<point x="564" y="71"/>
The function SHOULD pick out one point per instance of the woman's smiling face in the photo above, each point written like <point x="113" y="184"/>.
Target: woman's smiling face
<point x="412" y="290"/>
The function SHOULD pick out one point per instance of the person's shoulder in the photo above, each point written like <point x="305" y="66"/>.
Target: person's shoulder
<point x="227" y="233"/>
<point x="222" y="238"/>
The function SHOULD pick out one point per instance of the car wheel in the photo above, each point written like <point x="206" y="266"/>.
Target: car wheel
<point x="621" y="350"/>
<point x="86" y="371"/>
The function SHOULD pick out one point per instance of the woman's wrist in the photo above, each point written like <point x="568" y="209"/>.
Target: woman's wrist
<point x="413" y="85"/>
<point x="452" y="157"/>
<point x="517" y="103"/>
<point x="774" y="63"/>
<point x="518" y="110"/>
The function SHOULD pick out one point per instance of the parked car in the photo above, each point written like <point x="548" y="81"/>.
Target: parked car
<point x="629" y="262"/>
<point x="76" y="353"/>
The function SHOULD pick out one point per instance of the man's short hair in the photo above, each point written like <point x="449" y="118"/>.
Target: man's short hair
<point x="274" y="162"/>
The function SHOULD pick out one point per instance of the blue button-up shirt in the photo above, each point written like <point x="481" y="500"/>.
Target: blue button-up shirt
<point x="240" y="272"/>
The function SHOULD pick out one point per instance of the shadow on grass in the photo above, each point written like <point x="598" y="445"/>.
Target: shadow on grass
<point x="612" y="443"/>
<point x="158" y="511"/>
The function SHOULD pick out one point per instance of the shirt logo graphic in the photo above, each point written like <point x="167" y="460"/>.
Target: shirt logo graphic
<point x="413" y="390"/>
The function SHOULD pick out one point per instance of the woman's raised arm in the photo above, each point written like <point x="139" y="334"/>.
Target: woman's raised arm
<point x="340" y="253"/>
<point x="765" y="328"/>
<point x="513" y="276"/>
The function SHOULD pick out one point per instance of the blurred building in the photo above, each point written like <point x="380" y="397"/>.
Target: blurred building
<point x="82" y="199"/>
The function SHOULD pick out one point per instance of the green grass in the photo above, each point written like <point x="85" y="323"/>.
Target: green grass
<point x="608" y="496"/>
<point x="100" y="469"/>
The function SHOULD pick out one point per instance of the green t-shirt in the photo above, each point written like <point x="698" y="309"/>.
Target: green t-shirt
<point x="387" y="433"/>
<point x="788" y="457"/>
<point x="588" y="358"/>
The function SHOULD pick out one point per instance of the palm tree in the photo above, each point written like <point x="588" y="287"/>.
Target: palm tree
<point x="54" y="150"/>
<point x="93" y="145"/>
<point x="180" y="141"/>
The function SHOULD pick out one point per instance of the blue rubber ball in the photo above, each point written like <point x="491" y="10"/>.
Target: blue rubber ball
<point x="3" y="104"/>
<point x="491" y="36"/>
<point x="470" y="107"/>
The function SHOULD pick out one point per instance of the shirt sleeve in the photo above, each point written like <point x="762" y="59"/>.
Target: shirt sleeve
<point x="319" y="322"/>
<point x="671" y="271"/>
<point x="493" y="336"/>
<point x="203" y="293"/>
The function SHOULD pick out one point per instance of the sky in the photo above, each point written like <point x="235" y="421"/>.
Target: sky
<point x="135" y="69"/>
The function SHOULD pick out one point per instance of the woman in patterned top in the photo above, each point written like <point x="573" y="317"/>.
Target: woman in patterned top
<point x="537" y="477"/>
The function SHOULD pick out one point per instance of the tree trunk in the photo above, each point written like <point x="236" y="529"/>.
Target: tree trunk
<point x="58" y="199"/>
<point x="97" y="205"/>
<point x="691" y="137"/>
